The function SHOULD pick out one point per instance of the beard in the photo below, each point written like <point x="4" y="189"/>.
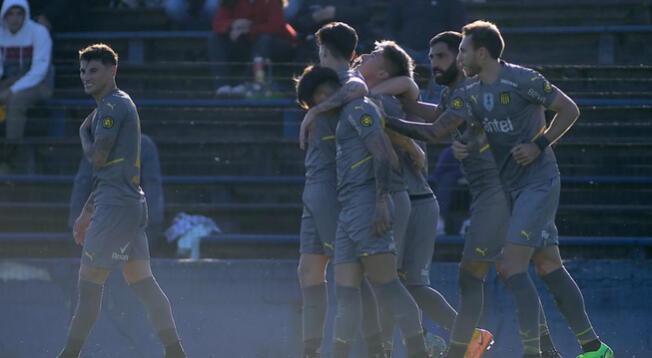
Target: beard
<point x="447" y="77"/>
<point x="471" y="71"/>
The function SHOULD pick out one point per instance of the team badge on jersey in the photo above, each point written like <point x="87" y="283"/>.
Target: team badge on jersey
<point x="547" y="88"/>
<point x="457" y="103"/>
<point x="107" y="122"/>
<point x="488" y="101"/>
<point x="366" y="120"/>
<point x="504" y="98"/>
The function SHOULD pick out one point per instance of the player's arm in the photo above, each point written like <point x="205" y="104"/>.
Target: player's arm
<point x="384" y="158"/>
<point x="428" y="111"/>
<point x="97" y="151"/>
<point x="410" y="146"/>
<point x="401" y="86"/>
<point x="566" y="114"/>
<point x="427" y="132"/>
<point x="354" y="88"/>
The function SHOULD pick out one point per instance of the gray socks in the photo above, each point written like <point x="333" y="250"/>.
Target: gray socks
<point x="88" y="308"/>
<point x="527" y="309"/>
<point x="395" y="299"/>
<point x="349" y="315"/>
<point x="315" y="303"/>
<point x="571" y="304"/>
<point x="471" y="304"/>
<point x="434" y="305"/>
<point x="158" y="309"/>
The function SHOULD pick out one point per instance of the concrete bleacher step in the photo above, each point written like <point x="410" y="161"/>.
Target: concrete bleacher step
<point x="128" y="19"/>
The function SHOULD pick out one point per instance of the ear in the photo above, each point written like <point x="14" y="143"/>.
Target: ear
<point x="383" y="75"/>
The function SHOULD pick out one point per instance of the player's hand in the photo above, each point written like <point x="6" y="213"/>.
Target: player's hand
<point x="79" y="229"/>
<point x="382" y="220"/>
<point x="460" y="150"/>
<point x="306" y="127"/>
<point x="525" y="153"/>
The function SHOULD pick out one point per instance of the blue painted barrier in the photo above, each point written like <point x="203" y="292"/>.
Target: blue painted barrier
<point x="251" y="309"/>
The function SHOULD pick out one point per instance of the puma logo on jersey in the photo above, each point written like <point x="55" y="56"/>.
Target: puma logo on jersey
<point x="481" y="251"/>
<point x="89" y="255"/>
<point x="110" y="105"/>
<point x="526" y="235"/>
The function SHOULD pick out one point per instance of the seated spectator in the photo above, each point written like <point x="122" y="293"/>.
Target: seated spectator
<point x="150" y="181"/>
<point x="313" y="14"/>
<point x="191" y="14"/>
<point x="246" y="31"/>
<point x="412" y="24"/>
<point x="25" y="71"/>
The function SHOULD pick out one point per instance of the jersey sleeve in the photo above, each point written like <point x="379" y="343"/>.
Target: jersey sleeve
<point x="110" y="117"/>
<point x="534" y="87"/>
<point x="456" y="103"/>
<point x="364" y="118"/>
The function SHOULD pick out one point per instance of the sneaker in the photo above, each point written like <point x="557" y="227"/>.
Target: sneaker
<point x="551" y="353"/>
<point x="223" y="91"/>
<point x="435" y="345"/>
<point x="603" y="352"/>
<point x="481" y="342"/>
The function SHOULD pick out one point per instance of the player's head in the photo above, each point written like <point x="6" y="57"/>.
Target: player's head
<point x="336" y="41"/>
<point x="14" y="17"/>
<point x="443" y="57"/>
<point x="481" y="43"/>
<point x="98" y="64"/>
<point x="315" y="85"/>
<point x="386" y="60"/>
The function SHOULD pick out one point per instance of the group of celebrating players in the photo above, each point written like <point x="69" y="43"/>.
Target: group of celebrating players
<point x="367" y="202"/>
<point x="368" y="205"/>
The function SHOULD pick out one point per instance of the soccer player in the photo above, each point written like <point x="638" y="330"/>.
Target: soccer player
<point x="111" y="226"/>
<point x="508" y="101"/>
<point x="337" y="43"/>
<point x="364" y="244"/>
<point x="388" y="70"/>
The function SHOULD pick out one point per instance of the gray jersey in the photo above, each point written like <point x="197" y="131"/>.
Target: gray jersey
<point x="511" y="111"/>
<point x="118" y="181"/>
<point x="415" y="183"/>
<point x="358" y="119"/>
<point x="320" y="155"/>
<point x="479" y="167"/>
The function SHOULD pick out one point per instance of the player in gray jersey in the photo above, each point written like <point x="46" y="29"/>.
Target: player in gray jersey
<point x="321" y="209"/>
<point x="415" y="247"/>
<point x="364" y="243"/>
<point x="111" y="227"/>
<point x="509" y="102"/>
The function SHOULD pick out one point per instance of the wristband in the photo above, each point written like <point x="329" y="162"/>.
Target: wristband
<point x="542" y="142"/>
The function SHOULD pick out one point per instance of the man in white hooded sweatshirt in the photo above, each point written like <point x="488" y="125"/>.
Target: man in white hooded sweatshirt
<point x="25" y="76"/>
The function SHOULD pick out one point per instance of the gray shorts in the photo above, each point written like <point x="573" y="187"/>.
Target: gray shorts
<point x="319" y="219"/>
<point x="402" y="209"/>
<point x="414" y="268"/>
<point x="354" y="237"/>
<point x="533" y="211"/>
<point x="485" y="238"/>
<point x="116" y="235"/>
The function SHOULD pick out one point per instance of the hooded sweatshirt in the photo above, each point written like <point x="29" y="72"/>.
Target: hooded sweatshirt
<point x="27" y="53"/>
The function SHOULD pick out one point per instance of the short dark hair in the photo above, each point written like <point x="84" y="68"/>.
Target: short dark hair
<point x="485" y="34"/>
<point x="452" y="39"/>
<point x="398" y="62"/>
<point x="311" y="78"/>
<point x="340" y="38"/>
<point x="102" y="52"/>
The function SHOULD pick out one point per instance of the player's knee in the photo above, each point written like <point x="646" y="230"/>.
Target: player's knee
<point x="545" y="267"/>
<point x="310" y="274"/>
<point x="475" y="268"/>
<point x="92" y="274"/>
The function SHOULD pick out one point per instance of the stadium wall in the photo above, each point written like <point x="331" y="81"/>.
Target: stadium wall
<point x="251" y="309"/>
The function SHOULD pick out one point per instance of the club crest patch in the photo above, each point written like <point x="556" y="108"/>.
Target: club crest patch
<point x="107" y="122"/>
<point x="366" y="120"/>
<point x="547" y="88"/>
<point x="457" y="103"/>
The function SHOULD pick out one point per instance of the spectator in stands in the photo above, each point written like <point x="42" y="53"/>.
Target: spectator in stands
<point x="413" y="24"/>
<point x="447" y="175"/>
<point x="25" y="70"/>
<point x="313" y="14"/>
<point x="61" y="15"/>
<point x="247" y="30"/>
<point x="191" y="14"/>
<point x="151" y="184"/>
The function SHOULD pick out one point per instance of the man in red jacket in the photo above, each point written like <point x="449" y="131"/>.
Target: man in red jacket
<point x="246" y="30"/>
